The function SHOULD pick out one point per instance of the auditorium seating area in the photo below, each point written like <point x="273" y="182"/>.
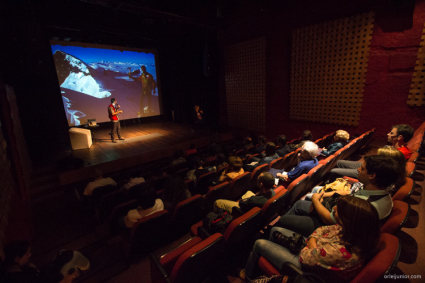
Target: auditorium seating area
<point x="192" y="246"/>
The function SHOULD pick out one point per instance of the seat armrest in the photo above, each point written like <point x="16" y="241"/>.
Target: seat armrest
<point x="158" y="273"/>
<point x="203" y="233"/>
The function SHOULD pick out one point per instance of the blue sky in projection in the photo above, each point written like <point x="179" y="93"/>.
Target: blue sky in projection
<point x="90" y="55"/>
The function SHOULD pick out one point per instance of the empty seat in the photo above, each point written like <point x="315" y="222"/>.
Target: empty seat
<point x="204" y="182"/>
<point x="185" y="214"/>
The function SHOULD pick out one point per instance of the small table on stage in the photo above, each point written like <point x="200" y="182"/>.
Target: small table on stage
<point x="91" y="128"/>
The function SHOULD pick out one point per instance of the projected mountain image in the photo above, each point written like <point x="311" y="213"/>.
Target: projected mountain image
<point x="90" y="77"/>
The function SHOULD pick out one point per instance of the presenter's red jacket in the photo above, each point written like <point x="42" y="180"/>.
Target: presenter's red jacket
<point x="112" y="117"/>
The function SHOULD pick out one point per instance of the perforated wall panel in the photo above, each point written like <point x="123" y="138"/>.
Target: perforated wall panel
<point x="328" y="69"/>
<point x="245" y="78"/>
<point x="417" y="89"/>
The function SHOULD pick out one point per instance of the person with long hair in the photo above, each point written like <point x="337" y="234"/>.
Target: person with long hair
<point x="344" y="247"/>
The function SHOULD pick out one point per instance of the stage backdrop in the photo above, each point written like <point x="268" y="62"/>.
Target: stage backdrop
<point x="90" y="75"/>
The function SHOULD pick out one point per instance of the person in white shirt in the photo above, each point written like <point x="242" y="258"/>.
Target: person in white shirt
<point x="148" y="204"/>
<point x="133" y="179"/>
<point x="99" y="181"/>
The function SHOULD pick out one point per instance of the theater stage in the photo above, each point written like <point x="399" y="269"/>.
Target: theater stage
<point x="143" y="143"/>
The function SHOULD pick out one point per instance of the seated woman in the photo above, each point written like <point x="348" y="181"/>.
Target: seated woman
<point x="148" y="204"/>
<point x="270" y="156"/>
<point x="175" y="191"/>
<point x="340" y="140"/>
<point x="339" y="250"/>
<point x="307" y="160"/>
<point x="234" y="170"/>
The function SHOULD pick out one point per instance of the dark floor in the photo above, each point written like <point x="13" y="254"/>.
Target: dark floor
<point x="59" y="224"/>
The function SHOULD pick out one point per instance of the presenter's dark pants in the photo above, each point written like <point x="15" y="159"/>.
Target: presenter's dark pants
<point x="116" y="127"/>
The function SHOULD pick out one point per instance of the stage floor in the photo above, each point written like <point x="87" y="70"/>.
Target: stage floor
<point x="143" y="143"/>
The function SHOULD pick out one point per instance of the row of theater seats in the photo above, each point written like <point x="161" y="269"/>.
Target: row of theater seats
<point x="389" y="247"/>
<point x="203" y="254"/>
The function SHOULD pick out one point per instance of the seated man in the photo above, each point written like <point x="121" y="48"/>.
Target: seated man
<point x="148" y="204"/>
<point x="132" y="180"/>
<point x="398" y="137"/>
<point x="270" y="156"/>
<point x="99" y="181"/>
<point x="265" y="183"/>
<point x="262" y="145"/>
<point x="307" y="160"/>
<point x="284" y="148"/>
<point x="376" y="173"/>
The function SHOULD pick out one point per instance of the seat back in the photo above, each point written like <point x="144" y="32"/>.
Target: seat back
<point x="327" y="164"/>
<point x="410" y="168"/>
<point x="383" y="262"/>
<point x="242" y="229"/>
<point x="286" y="163"/>
<point x="219" y="191"/>
<point x="221" y="169"/>
<point x="119" y="211"/>
<point x="294" y="159"/>
<point x="134" y="191"/>
<point x="108" y="202"/>
<point x="319" y="142"/>
<point x="190" y="186"/>
<point x="277" y="163"/>
<point x="414" y="157"/>
<point x="195" y="264"/>
<point x="296" y="188"/>
<point x="149" y="233"/>
<point x="404" y="192"/>
<point x="203" y="182"/>
<point x="99" y="192"/>
<point x="186" y="213"/>
<point x="314" y="178"/>
<point x="239" y="186"/>
<point x="273" y="205"/>
<point x="398" y="217"/>
<point x="254" y="175"/>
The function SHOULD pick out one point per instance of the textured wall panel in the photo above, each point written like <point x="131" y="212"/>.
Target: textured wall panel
<point x="417" y="90"/>
<point x="245" y="78"/>
<point x="328" y="69"/>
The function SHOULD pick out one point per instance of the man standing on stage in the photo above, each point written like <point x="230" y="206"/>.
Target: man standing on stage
<point x="113" y="115"/>
<point x="148" y="86"/>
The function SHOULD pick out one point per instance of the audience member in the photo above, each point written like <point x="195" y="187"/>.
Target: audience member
<point x="234" y="169"/>
<point x="178" y="161"/>
<point x="269" y="157"/>
<point x="132" y="180"/>
<point x="398" y="156"/>
<point x="265" y="183"/>
<point x="17" y="267"/>
<point x="148" y="204"/>
<point x="376" y="173"/>
<point x="220" y="161"/>
<point x="247" y="143"/>
<point x="340" y="250"/>
<point x="262" y="145"/>
<point x="198" y="170"/>
<point x="175" y="191"/>
<point x="399" y="136"/>
<point x="307" y="160"/>
<point x="284" y="148"/>
<point x="198" y="115"/>
<point x="99" y="181"/>
<point x="340" y="140"/>
<point x="307" y="136"/>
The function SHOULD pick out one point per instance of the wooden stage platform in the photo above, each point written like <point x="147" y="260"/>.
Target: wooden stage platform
<point x="143" y="143"/>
